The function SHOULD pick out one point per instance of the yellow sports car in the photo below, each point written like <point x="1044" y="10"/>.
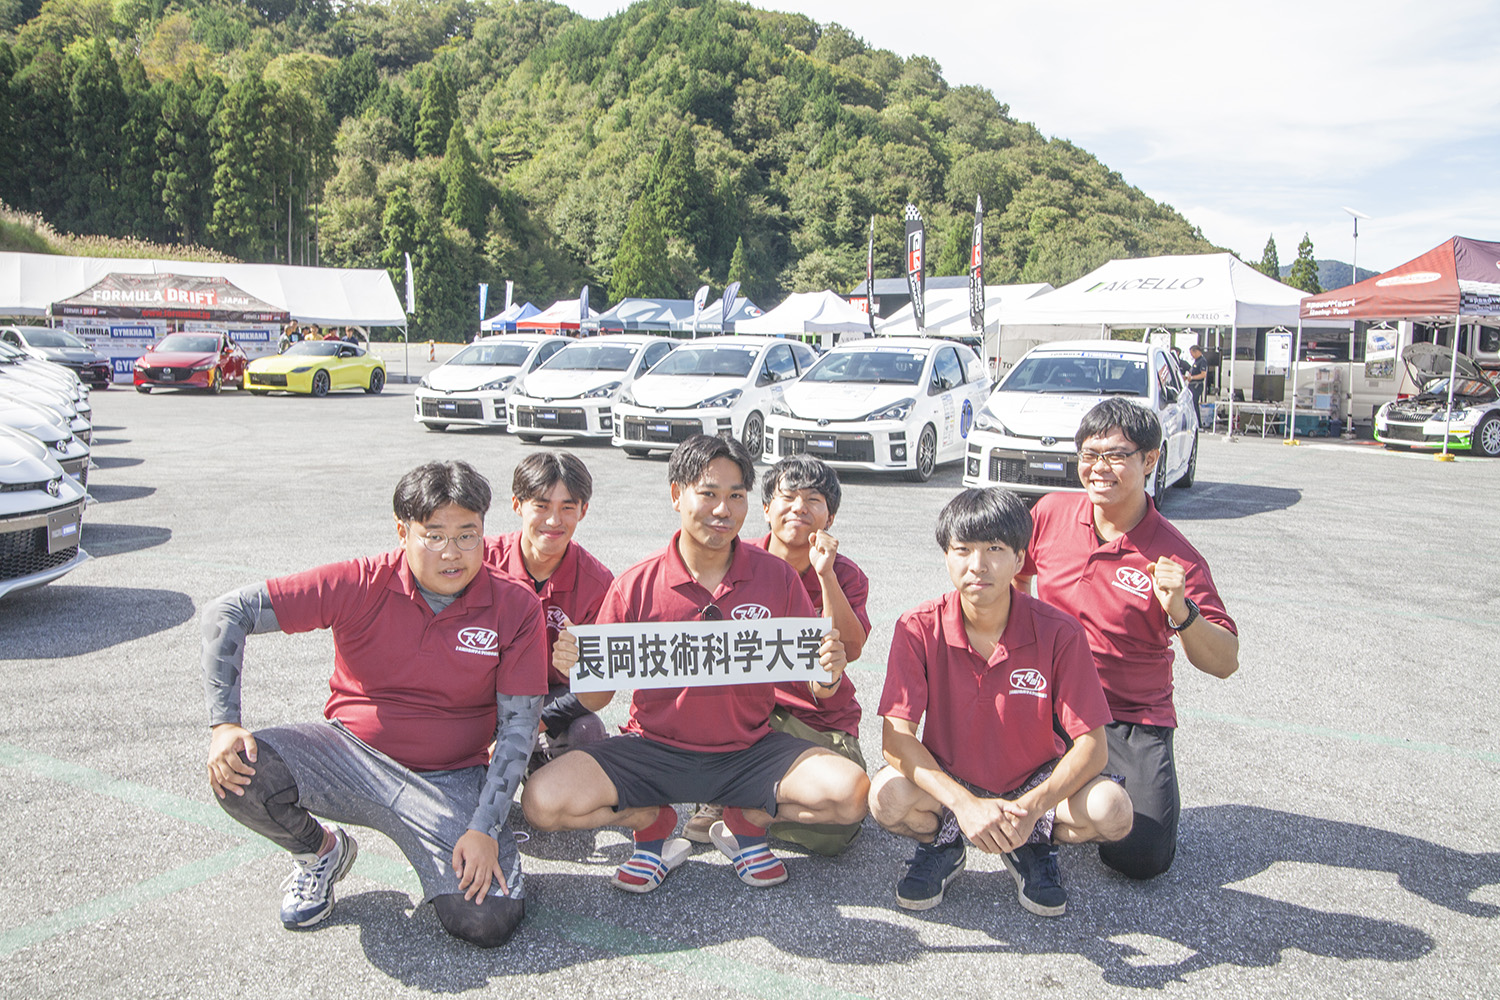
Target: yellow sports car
<point x="316" y="367"/>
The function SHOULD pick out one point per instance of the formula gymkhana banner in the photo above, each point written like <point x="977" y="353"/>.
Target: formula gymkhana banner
<point x="170" y="296"/>
<point x="698" y="654"/>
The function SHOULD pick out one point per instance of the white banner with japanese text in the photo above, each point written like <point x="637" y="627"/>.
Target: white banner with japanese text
<point x="697" y="653"/>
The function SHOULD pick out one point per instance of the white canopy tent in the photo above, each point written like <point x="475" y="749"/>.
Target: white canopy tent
<point x="825" y="313"/>
<point x="947" y="314"/>
<point x="710" y="319"/>
<point x="560" y="316"/>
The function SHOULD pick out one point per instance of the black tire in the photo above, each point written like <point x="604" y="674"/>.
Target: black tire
<point x="530" y="438"/>
<point x="377" y="382"/>
<point x="143" y="389"/>
<point x="321" y="382"/>
<point x="436" y="427"/>
<point x="1159" y="481"/>
<point x="1486" y="437"/>
<point x="636" y="452"/>
<point x="258" y="392"/>
<point x="1192" y="469"/>
<point x="926" y="456"/>
<point x="215" y="382"/>
<point x="753" y="436"/>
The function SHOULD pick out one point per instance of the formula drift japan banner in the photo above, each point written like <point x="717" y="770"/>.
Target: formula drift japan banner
<point x="698" y="653"/>
<point x="976" y="269"/>
<point x="169" y="296"/>
<point x="916" y="281"/>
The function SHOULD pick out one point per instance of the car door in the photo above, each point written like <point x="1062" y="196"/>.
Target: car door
<point x="779" y="370"/>
<point x="1173" y="406"/>
<point x="542" y="353"/>
<point x="945" y="387"/>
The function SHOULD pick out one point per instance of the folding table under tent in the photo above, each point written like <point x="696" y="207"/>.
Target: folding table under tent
<point x="1458" y="280"/>
<point x="826" y="313"/>
<point x="505" y="321"/>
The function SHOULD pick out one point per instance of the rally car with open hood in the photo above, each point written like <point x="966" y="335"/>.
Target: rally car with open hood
<point x="470" y="389"/>
<point x="1422" y="420"/>
<point x="716" y="385"/>
<point x="316" y="367"/>
<point x="888" y="404"/>
<point x="41" y="514"/>
<point x="574" y="392"/>
<point x="1023" y="437"/>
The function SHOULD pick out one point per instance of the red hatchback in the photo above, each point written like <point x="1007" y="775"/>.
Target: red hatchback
<point x="191" y="361"/>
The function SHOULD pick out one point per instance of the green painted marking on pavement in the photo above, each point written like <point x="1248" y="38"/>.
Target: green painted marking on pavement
<point x="1328" y="732"/>
<point x="153" y="888"/>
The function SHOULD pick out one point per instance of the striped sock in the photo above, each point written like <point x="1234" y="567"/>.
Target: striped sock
<point x="745" y="832"/>
<point x="654" y="837"/>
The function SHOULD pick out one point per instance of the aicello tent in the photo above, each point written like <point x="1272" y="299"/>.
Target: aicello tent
<point x="560" y="315"/>
<point x="711" y="320"/>
<point x="331" y="296"/>
<point x="1459" y="279"/>
<point x="825" y="313"/>
<point x="169" y="296"/>
<point x="641" y="316"/>
<point x="505" y="322"/>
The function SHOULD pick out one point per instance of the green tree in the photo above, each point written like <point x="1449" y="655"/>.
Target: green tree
<point x="463" y="196"/>
<point x="98" y="109"/>
<point x="1304" y="272"/>
<point x="184" y="177"/>
<point x="738" y="270"/>
<point x="641" y="265"/>
<point x="350" y="85"/>
<point x="1270" y="265"/>
<point x="436" y="116"/>
<point x="42" y="112"/>
<point x="401" y="233"/>
<point x="247" y="162"/>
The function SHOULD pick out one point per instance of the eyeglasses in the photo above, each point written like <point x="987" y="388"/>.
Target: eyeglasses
<point x="434" y="542"/>
<point x="1115" y="459"/>
<point x="711" y="613"/>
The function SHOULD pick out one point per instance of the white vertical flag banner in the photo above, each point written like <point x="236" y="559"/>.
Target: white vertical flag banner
<point x="510" y="291"/>
<point x="411" y="306"/>
<point x="484" y="299"/>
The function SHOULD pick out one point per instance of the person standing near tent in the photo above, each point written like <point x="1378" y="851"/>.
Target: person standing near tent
<point x="1197" y="380"/>
<point x="1108" y="557"/>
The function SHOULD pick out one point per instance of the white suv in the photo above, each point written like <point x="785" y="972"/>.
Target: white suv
<point x="470" y="389"/>
<point x="1023" y="438"/>
<point x="573" y="393"/>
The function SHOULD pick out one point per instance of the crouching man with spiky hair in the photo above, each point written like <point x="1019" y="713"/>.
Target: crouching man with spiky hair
<point x="991" y="668"/>
<point x="435" y="656"/>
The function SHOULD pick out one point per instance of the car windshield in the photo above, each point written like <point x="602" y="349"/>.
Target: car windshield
<point x="731" y="362"/>
<point x="1088" y="374"/>
<point x="592" y="358"/>
<point x="195" y="343"/>
<point x="493" y="355"/>
<point x="42" y="337"/>
<point x="880" y="365"/>
<point x="317" y="348"/>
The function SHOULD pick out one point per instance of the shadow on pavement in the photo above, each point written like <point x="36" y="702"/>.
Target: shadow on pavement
<point x="100" y="540"/>
<point x="1226" y="501"/>
<point x="110" y="462"/>
<point x="110" y="493"/>
<point x="44" y="623"/>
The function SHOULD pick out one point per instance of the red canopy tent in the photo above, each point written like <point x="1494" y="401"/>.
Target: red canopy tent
<point x="1458" y="279"/>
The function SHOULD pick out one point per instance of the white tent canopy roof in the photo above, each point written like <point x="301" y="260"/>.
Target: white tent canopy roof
<point x="30" y="283"/>
<point x="710" y="316"/>
<point x="808" y="312"/>
<point x="948" y="311"/>
<point x="1197" y="290"/>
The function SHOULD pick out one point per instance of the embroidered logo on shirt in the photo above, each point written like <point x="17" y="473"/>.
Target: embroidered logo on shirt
<point x="476" y="640"/>
<point x="557" y="619"/>
<point x="1131" y="579"/>
<point x="1028" y="681"/>
<point x="751" y="612"/>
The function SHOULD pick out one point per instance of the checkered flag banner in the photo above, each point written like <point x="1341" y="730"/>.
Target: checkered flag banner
<point x="916" y="255"/>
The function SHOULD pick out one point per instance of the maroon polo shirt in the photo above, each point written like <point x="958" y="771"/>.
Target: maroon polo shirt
<point x="660" y="589"/>
<point x="839" y="710"/>
<point x="575" y="589"/>
<point x="989" y="721"/>
<point x="1106" y="587"/>
<point x="416" y="686"/>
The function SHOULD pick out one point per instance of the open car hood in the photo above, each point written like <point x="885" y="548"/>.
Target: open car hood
<point x="1432" y="362"/>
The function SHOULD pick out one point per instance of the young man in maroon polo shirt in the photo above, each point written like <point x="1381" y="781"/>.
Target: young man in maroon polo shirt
<point x="1110" y="559"/>
<point x="991" y="668"/>
<point x="702" y="744"/>
<point x="551" y="491"/>
<point x="800" y="496"/>
<point x="435" y="656"/>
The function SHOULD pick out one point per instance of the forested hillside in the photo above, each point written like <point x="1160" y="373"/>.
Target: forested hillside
<point x="677" y="143"/>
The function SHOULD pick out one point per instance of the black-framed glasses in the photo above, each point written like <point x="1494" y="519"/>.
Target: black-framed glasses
<point x="1115" y="459"/>
<point x="710" y="613"/>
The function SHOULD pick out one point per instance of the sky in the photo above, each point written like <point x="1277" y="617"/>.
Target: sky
<point x="1253" y="120"/>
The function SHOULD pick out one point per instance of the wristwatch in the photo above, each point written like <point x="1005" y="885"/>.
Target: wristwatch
<point x="1192" y="616"/>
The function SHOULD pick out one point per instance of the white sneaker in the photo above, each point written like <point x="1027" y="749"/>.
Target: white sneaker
<point x="309" y="888"/>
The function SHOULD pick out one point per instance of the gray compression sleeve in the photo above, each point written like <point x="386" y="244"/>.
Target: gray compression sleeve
<point x="225" y="622"/>
<point x="516" y="721"/>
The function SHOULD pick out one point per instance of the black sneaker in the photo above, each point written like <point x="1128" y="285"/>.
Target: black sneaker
<point x="928" y="874"/>
<point x="1038" y="882"/>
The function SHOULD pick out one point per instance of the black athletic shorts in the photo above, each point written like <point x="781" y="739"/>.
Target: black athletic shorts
<point x="647" y="773"/>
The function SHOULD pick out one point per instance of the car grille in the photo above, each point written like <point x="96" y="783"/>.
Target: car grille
<point x="458" y="409"/>
<point x="84" y="436"/>
<point x="23" y="487"/>
<point x="660" y="430"/>
<point x="551" y="417"/>
<point x="835" y="447"/>
<point x="23" y="553"/>
<point x="1405" y="432"/>
<point x="166" y="374"/>
<point x="78" y="468"/>
<point x="267" y="378"/>
<point x="1009" y="468"/>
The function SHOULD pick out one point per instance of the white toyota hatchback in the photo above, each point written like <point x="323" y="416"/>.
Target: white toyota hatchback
<point x="1023" y="438"/>
<point x="573" y="393"/>
<point x="885" y="404"/>
<point x="716" y="385"/>
<point x="470" y="389"/>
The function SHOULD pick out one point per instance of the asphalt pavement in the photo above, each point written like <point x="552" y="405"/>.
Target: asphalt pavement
<point x="1340" y="791"/>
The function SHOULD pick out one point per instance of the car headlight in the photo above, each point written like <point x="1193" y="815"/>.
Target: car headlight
<point x="722" y="400"/>
<point x="627" y="399"/>
<point x="498" y="385"/>
<point x="1456" y="416"/>
<point x="203" y="366"/>
<point x="987" y="421"/>
<point x="896" y="411"/>
<point x="140" y="363"/>
<point x="781" y="409"/>
<point x="608" y="389"/>
<point x="423" y="382"/>
<point x="303" y="370"/>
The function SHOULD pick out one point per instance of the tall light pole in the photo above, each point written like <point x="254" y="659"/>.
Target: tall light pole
<point x="1353" y="279"/>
